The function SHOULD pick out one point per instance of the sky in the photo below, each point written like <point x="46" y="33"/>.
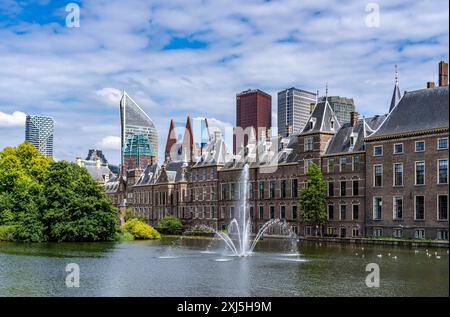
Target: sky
<point x="178" y="57"/>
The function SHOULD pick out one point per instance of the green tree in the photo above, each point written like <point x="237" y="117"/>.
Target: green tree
<point x="313" y="198"/>
<point x="170" y="225"/>
<point x="76" y="208"/>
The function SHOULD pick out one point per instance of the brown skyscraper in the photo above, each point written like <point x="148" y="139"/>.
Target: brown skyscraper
<point x="253" y="109"/>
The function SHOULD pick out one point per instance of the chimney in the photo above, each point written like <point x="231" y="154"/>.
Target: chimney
<point x="354" y="116"/>
<point x="430" y="84"/>
<point x="443" y="74"/>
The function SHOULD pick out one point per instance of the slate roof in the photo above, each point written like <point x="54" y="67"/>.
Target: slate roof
<point x="215" y="152"/>
<point x="418" y="110"/>
<point x="112" y="185"/>
<point x="98" y="173"/>
<point x="149" y="175"/>
<point x="321" y="119"/>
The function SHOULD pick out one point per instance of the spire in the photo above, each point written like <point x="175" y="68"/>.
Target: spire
<point x="188" y="145"/>
<point x="396" y="96"/>
<point x="171" y="141"/>
<point x="326" y="92"/>
<point x="208" y="133"/>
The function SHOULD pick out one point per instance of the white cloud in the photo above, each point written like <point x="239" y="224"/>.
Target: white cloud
<point x="110" y="96"/>
<point x="14" y="120"/>
<point x="110" y="143"/>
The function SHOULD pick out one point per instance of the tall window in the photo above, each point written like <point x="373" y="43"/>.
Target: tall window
<point x="294" y="187"/>
<point x="355" y="188"/>
<point x="420" y="173"/>
<point x="342" y="163"/>
<point x="261" y="189"/>
<point x="272" y="212"/>
<point x="420" y="146"/>
<point x="442" y="144"/>
<point x="308" y="162"/>
<point x="330" y="212"/>
<point x="419" y="207"/>
<point x="330" y="165"/>
<point x="282" y="212"/>
<point x="378" y="150"/>
<point x="294" y="213"/>
<point x="283" y="188"/>
<point x="377" y="204"/>
<point x="398" y="174"/>
<point x="397" y="207"/>
<point x="272" y="189"/>
<point x="343" y="188"/>
<point x="343" y="214"/>
<point x="231" y="212"/>
<point x="442" y="207"/>
<point x="378" y="175"/>
<point x="398" y="148"/>
<point x="261" y="212"/>
<point x="222" y="212"/>
<point x="356" y="163"/>
<point x="355" y="212"/>
<point x="330" y="189"/>
<point x="223" y="191"/>
<point x="443" y="171"/>
<point x="232" y="192"/>
<point x="309" y="144"/>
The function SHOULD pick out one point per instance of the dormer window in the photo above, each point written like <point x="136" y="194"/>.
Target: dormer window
<point x="312" y="123"/>
<point x="332" y="124"/>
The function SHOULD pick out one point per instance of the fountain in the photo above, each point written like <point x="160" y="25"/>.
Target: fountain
<point x="237" y="238"/>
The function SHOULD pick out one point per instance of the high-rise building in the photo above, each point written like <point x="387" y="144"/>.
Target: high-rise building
<point x="341" y="106"/>
<point x="134" y="121"/>
<point x="293" y="110"/>
<point x="39" y="131"/>
<point x="138" y="152"/>
<point x="253" y="109"/>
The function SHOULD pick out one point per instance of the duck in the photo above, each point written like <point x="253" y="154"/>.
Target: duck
<point x="394" y="257"/>
<point x="438" y="257"/>
<point x="379" y="255"/>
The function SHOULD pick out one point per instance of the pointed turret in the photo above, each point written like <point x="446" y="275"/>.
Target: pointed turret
<point x="396" y="96"/>
<point x="171" y="143"/>
<point x="188" y="145"/>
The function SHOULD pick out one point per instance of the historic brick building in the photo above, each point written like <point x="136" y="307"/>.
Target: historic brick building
<point x="386" y="175"/>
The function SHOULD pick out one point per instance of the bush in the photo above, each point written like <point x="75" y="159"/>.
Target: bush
<point x="124" y="236"/>
<point x="170" y="225"/>
<point x="140" y="230"/>
<point x="7" y="233"/>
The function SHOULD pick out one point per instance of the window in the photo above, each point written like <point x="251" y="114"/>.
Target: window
<point x="397" y="233"/>
<point x="330" y="231"/>
<point x="223" y="191"/>
<point x="378" y="150"/>
<point x="442" y="235"/>
<point x="356" y="163"/>
<point x="294" y="213"/>
<point x="443" y="171"/>
<point x="343" y="188"/>
<point x="330" y="189"/>
<point x="442" y="144"/>
<point x="343" y="213"/>
<point x="355" y="188"/>
<point x="309" y="144"/>
<point x="294" y="188"/>
<point x="330" y="212"/>
<point x="419" y="208"/>
<point x="378" y="175"/>
<point x="377" y="204"/>
<point x="419" y="234"/>
<point x="272" y="212"/>
<point x="397" y="206"/>
<point x="308" y="162"/>
<point x="377" y="232"/>
<point x="330" y="165"/>
<point x="231" y="212"/>
<point x="283" y="188"/>
<point x="355" y="212"/>
<point x="282" y="212"/>
<point x="232" y="192"/>
<point x="420" y="173"/>
<point x="261" y="212"/>
<point x="398" y="148"/>
<point x="442" y="207"/>
<point x="420" y="146"/>
<point x="272" y="189"/>
<point x="261" y="189"/>
<point x="342" y="163"/>
<point x="355" y="232"/>
<point x="222" y="212"/>
<point x="308" y="231"/>
<point x="398" y="174"/>
<point x="204" y="174"/>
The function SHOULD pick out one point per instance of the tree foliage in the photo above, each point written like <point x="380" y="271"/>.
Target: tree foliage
<point x="140" y="230"/>
<point x="313" y="197"/>
<point x="170" y="225"/>
<point x="52" y="201"/>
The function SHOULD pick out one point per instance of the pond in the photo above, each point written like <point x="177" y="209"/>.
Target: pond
<point x="200" y="267"/>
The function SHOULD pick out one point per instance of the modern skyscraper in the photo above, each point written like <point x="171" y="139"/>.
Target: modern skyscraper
<point x="293" y="110"/>
<point x="134" y="121"/>
<point x="39" y="131"/>
<point x="341" y="106"/>
<point x="253" y="109"/>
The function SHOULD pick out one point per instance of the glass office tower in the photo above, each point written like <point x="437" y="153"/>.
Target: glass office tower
<point x="39" y="132"/>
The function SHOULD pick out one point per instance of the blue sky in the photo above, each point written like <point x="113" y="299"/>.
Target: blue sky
<point x="177" y="57"/>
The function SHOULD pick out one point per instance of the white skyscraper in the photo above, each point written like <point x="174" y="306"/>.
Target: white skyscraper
<point x="39" y="132"/>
